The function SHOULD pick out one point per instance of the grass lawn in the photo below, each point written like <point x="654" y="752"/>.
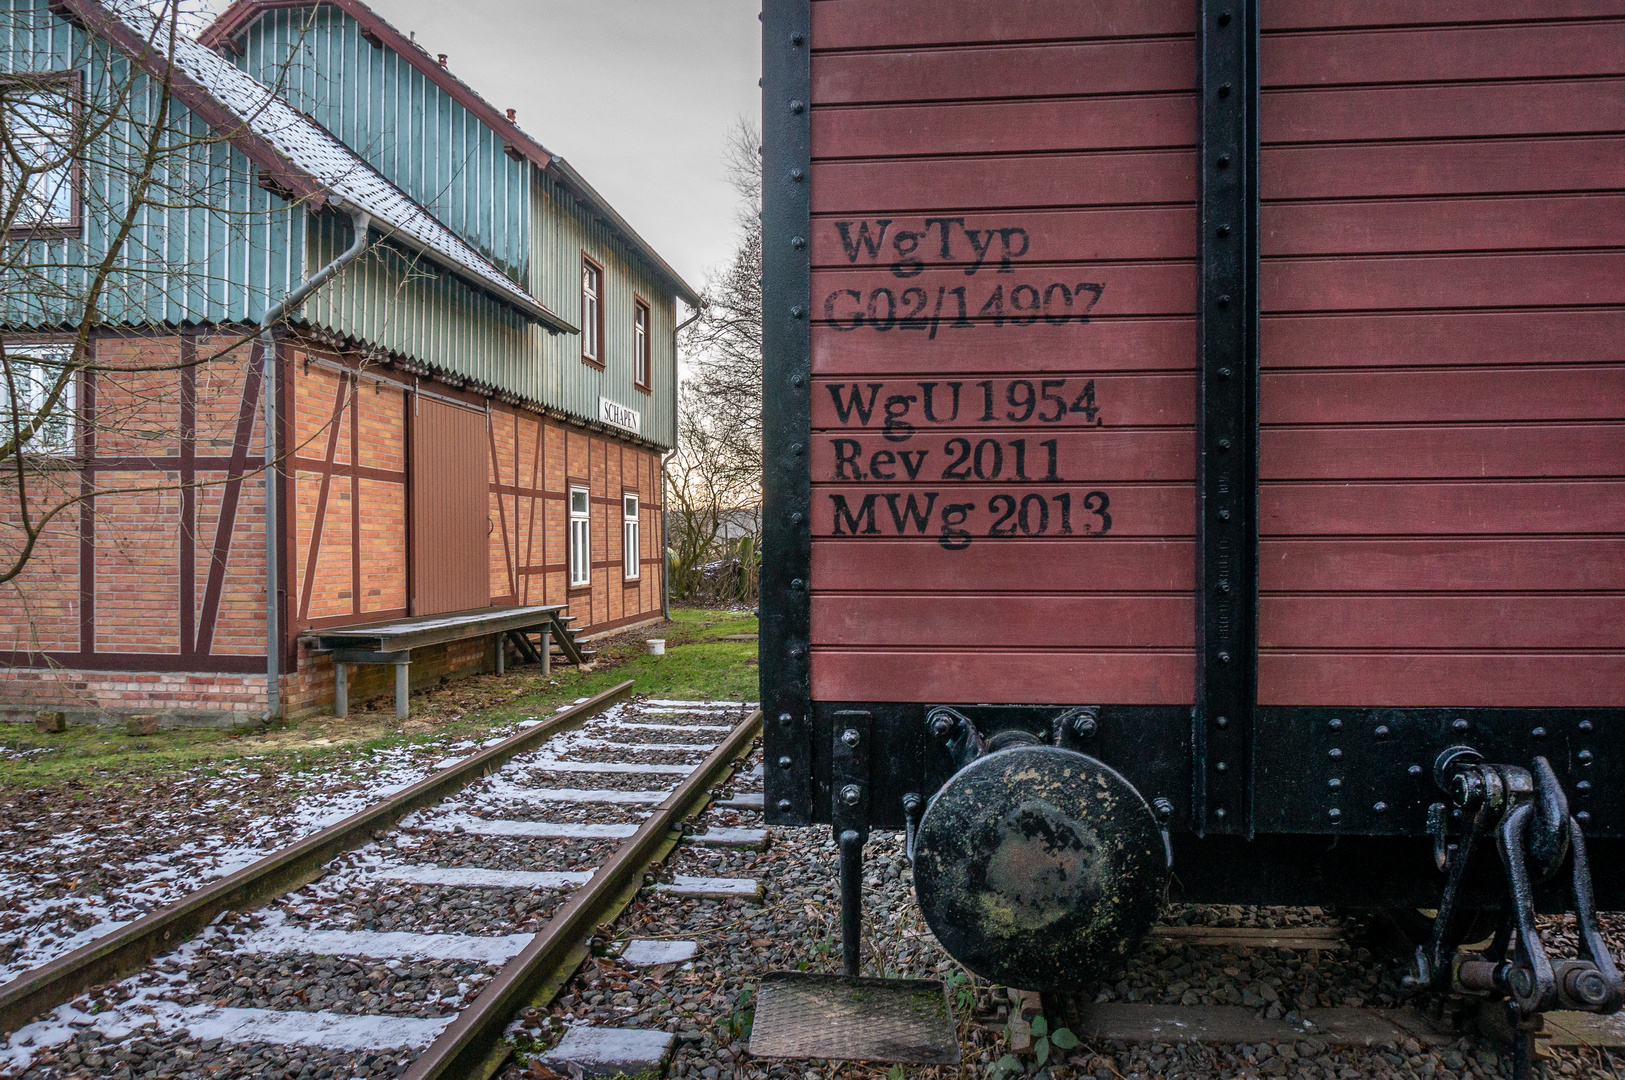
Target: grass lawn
<point x="699" y="663"/>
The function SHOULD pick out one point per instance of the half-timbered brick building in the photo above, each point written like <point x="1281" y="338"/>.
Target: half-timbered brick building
<point x="471" y="413"/>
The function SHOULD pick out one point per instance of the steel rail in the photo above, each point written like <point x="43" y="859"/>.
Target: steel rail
<point x="126" y="950"/>
<point x="470" y="1047"/>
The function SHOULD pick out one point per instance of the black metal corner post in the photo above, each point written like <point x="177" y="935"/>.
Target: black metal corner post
<point x="786" y="687"/>
<point x="1227" y="422"/>
<point x="853" y="732"/>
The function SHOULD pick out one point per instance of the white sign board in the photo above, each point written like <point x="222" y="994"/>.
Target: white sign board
<point x="617" y="415"/>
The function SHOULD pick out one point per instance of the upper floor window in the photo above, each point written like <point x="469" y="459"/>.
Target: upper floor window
<point x="640" y="344"/>
<point x="592" y="312"/>
<point x="39" y="175"/>
<point x="29" y="375"/>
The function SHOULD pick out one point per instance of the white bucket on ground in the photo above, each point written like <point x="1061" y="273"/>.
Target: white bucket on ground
<point x="657" y="646"/>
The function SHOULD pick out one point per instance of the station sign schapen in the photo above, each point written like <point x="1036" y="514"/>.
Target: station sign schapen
<point x="618" y="415"/>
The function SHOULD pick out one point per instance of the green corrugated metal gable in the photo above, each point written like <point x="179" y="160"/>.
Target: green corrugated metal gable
<point x="565" y="229"/>
<point x="224" y="246"/>
<point x="403" y="125"/>
<point x="406" y="306"/>
<point x="415" y="134"/>
<point x="214" y="247"/>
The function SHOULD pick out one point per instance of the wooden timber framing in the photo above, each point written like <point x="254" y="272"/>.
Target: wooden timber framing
<point x="170" y="582"/>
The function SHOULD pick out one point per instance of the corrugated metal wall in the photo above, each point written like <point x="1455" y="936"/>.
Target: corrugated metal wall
<point x="226" y="245"/>
<point x="401" y="123"/>
<point x="212" y="250"/>
<point x="415" y="134"/>
<point x="448" y="509"/>
<point x="564" y="230"/>
<point x="407" y="306"/>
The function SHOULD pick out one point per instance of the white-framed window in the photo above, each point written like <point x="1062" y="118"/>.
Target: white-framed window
<point x="592" y="312"/>
<point x="640" y="344"/>
<point x="580" y="538"/>
<point x="37" y="168"/>
<point x="629" y="536"/>
<point x="35" y="370"/>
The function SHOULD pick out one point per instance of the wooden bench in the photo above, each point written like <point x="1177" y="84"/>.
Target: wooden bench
<point x="392" y="642"/>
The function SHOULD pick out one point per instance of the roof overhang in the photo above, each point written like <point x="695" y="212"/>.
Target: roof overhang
<point x="223" y="33"/>
<point x="282" y="174"/>
<point x="236" y="19"/>
<point x="151" y="56"/>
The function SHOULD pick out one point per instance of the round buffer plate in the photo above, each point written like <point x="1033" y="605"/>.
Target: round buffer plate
<point x="1039" y="868"/>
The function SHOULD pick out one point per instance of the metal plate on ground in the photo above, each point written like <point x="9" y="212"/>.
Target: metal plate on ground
<point x="802" y="1015"/>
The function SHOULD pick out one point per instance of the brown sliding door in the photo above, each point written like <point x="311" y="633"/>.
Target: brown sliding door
<point x="449" y="512"/>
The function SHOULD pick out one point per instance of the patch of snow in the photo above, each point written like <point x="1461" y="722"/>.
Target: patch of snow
<point x="277" y="936"/>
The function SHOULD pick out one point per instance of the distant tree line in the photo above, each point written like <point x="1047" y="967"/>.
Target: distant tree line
<point x="715" y="494"/>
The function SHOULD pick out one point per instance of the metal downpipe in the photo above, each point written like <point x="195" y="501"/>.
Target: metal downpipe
<point x="665" y="509"/>
<point x="361" y="221"/>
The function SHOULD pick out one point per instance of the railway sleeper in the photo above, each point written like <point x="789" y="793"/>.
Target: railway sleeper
<point x="315" y="976"/>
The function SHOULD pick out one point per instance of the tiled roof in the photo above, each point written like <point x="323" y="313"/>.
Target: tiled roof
<point x="251" y="114"/>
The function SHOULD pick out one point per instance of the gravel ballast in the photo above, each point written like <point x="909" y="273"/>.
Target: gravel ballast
<point x="706" y="1002"/>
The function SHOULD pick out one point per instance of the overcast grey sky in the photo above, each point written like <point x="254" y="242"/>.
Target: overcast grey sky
<point x="638" y="95"/>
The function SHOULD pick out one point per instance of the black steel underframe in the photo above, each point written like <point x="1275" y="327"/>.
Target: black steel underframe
<point x="786" y="692"/>
<point x="1337" y="797"/>
<point x="1320" y="771"/>
<point x="1227" y="424"/>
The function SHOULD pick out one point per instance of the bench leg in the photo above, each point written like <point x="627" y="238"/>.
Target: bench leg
<point x="502" y="654"/>
<point x="403" y="707"/>
<point x="547" y="652"/>
<point x="341" y="689"/>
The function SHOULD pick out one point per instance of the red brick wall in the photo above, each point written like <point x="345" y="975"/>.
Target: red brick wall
<point x="177" y="600"/>
<point x="349" y="482"/>
<point x="535" y="461"/>
<point x="174" y="603"/>
<point x="532" y="459"/>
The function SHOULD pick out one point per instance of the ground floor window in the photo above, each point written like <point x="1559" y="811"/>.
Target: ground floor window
<point x="629" y="535"/>
<point x="32" y="374"/>
<point x="580" y="538"/>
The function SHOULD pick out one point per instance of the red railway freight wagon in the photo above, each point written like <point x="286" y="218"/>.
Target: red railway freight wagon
<point x="1196" y="440"/>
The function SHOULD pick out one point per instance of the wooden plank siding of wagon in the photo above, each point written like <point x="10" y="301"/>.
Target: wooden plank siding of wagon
<point x="1442" y="389"/>
<point x="1003" y="286"/>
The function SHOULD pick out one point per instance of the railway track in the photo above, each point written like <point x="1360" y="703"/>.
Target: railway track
<point x="401" y="941"/>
